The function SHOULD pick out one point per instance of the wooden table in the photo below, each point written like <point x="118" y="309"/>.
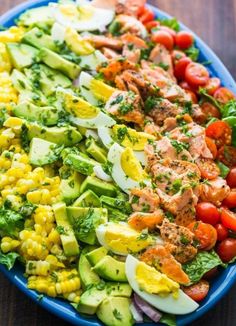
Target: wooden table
<point x="214" y="21"/>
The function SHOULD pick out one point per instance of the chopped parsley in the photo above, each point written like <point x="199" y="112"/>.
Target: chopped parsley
<point x="184" y="240"/>
<point x="150" y="103"/>
<point x="179" y="146"/>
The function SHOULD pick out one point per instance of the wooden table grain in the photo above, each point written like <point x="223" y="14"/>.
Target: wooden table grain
<point x="213" y="20"/>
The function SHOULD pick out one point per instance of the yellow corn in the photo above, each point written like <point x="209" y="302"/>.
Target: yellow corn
<point x="42" y="284"/>
<point x="5" y="61"/>
<point x="39" y="267"/>
<point x="13" y="34"/>
<point x="9" y="244"/>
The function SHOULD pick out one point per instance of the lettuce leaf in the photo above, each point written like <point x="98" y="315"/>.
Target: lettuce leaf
<point x="170" y="22"/>
<point x="168" y="319"/>
<point x="8" y="259"/>
<point x="202" y="263"/>
<point x="11" y="222"/>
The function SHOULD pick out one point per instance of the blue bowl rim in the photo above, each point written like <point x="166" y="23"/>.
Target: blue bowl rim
<point x="227" y="278"/>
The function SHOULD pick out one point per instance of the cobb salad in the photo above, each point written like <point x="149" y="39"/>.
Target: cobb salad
<point x="118" y="161"/>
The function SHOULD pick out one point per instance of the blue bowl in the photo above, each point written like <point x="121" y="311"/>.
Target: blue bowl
<point x="219" y="286"/>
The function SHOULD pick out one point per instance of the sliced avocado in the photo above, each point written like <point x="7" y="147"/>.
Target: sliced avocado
<point x="47" y="115"/>
<point x="43" y="152"/>
<point x="22" y="55"/>
<point x="85" y="220"/>
<point x="39" y="39"/>
<point x="111" y="269"/>
<point x="92" y="298"/>
<point x="96" y="151"/>
<point x="66" y="136"/>
<point x="55" y="61"/>
<point x="115" y="214"/>
<point x="42" y="15"/>
<point x="87" y="275"/>
<point x="87" y="199"/>
<point x="20" y="81"/>
<point x="68" y="239"/>
<point x="70" y="186"/>
<point x="115" y="311"/>
<point x="98" y="186"/>
<point x="96" y="255"/>
<point x="80" y="163"/>
<point x="122" y="204"/>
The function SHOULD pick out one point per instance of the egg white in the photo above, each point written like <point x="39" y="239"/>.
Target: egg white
<point x="101" y="174"/>
<point x="58" y="32"/>
<point x="91" y="61"/>
<point x="84" y="86"/>
<point x="100" y="120"/>
<point x="180" y="306"/>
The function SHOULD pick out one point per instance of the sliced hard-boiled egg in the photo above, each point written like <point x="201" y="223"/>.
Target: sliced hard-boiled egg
<point x="58" y="32"/>
<point x="94" y="90"/>
<point x="121" y="239"/>
<point x="83" y="114"/>
<point x="141" y="278"/>
<point x="76" y="43"/>
<point x="101" y="174"/>
<point x="82" y="17"/>
<point x="127" y="171"/>
<point x="92" y="61"/>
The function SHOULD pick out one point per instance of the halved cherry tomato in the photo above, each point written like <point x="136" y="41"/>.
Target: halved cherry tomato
<point x="212" y="147"/>
<point x="231" y="178"/>
<point x="180" y="67"/>
<point x="177" y="55"/>
<point x="208" y="168"/>
<point x="184" y="39"/>
<point x="228" y="219"/>
<point x="227" y="249"/>
<point x="210" y="110"/>
<point x="193" y="96"/>
<point x="230" y="200"/>
<point x="147" y="16"/>
<point x="221" y="132"/>
<point x="227" y="155"/>
<point x="169" y="30"/>
<point x="196" y="74"/>
<point x="222" y="232"/>
<point x="163" y="38"/>
<point x="152" y="24"/>
<point x="210" y="274"/>
<point x="223" y="95"/>
<point x="212" y="85"/>
<point x="207" y="213"/>
<point x="197" y="291"/>
<point x="204" y="233"/>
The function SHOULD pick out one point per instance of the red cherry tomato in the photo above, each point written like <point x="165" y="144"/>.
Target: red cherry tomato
<point x="212" y="85"/>
<point x="228" y="219"/>
<point x="212" y="146"/>
<point x="180" y="67"/>
<point x="223" y="95"/>
<point x="210" y="274"/>
<point x="227" y="249"/>
<point x="222" y="232"/>
<point x="208" y="168"/>
<point x="169" y="30"/>
<point x="227" y="155"/>
<point x="193" y="96"/>
<point x="184" y="39"/>
<point x="147" y="16"/>
<point x="204" y="233"/>
<point x="230" y="200"/>
<point x="163" y="38"/>
<point x="152" y="24"/>
<point x="221" y="132"/>
<point x="196" y="74"/>
<point x="197" y="291"/>
<point x="207" y="213"/>
<point x="210" y="110"/>
<point x="231" y="178"/>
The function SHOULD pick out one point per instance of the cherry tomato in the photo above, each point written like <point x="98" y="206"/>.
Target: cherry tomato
<point x="197" y="291"/>
<point x="227" y="155"/>
<point x="230" y="200"/>
<point x="222" y="232"/>
<point x="140" y="10"/>
<point x="205" y="234"/>
<point x="177" y="55"/>
<point x="228" y="219"/>
<point x="169" y="30"/>
<point x="223" y="95"/>
<point x="210" y="110"/>
<point x="212" y="147"/>
<point x="180" y="67"/>
<point x="152" y="24"/>
<point x="163" y="38"/>
<point x="207" y="213"/>
<point x="227" y="249"/>
<point x="221" y="132"/>
<point x="193" y="96"/>
<point x="147" y="16"/>
<point x="231" y="178"/>
<point x="208" y="168"/>
<point x="210" y="274"/>
<point x="212" y="85"/>
<point x="184" y="39"/>
<point x="196" y="74"/>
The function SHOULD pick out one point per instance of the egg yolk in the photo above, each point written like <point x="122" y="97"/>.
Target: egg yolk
<point x="131" y="166"/>
<point x="79" y="107"/>
<point x="101" y="90"/>
<point x="152" y="281"/>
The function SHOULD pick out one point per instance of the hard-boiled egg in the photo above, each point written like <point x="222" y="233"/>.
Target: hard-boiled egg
<point x="176" y="302"/>
<point x="58" y="32"/>
<point x="82" y="17"/>
<point x="127" y="171"/>
<point x="121" y="239"/>
<point x="94" y="90"/>
<point x="92" y="61"/>
<point x="101" y="174"/>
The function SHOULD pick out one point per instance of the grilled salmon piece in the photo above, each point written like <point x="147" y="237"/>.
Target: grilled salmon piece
<point x="160" y="258"/>
<point x="214" y="191"/>
<point x="144" y="199"/>
<point x="160" y="54"/>
<point x="140" y="221"/>
<point x="115" y="67"/>
<point x="99" y="41"/>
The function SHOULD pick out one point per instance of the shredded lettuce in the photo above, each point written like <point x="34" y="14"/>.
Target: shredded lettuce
<point x="8" y="259"/>
<point x="201" y="264"/>
<point x="229" y="109"/>
<point x="192" y="52"/>
<point x="168" y="319"/>
<point x="11" y="222"/>
<point x="172" y="23"/>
